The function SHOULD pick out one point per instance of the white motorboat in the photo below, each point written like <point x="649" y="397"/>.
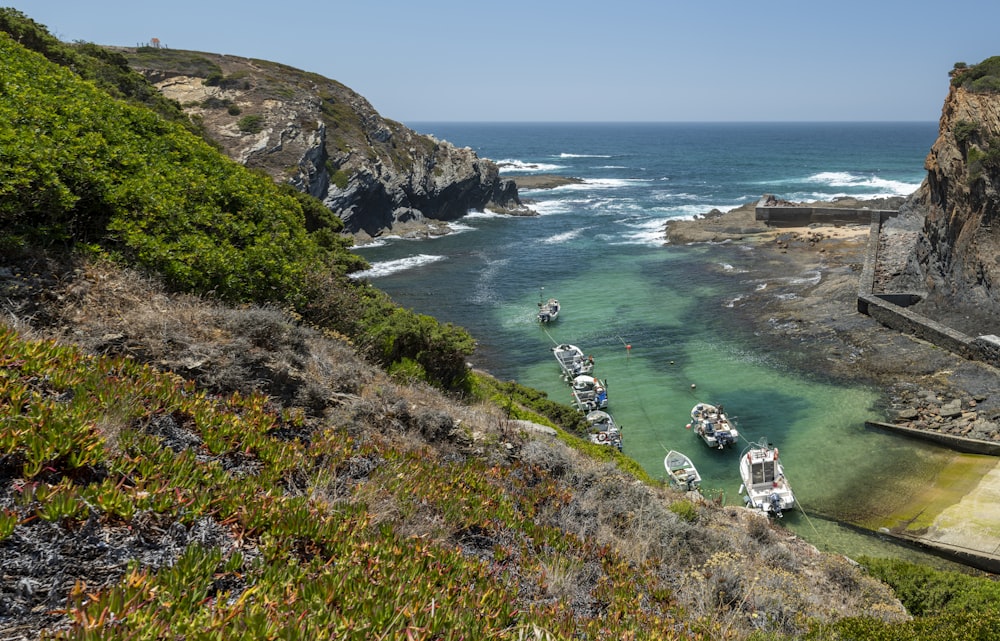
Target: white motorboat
<point x="572" y="361"/>
<point x="713" y="426"/>
<point x="548" y="311"/>
<point x="589" y="393"/>
<point x="603" y="430"/>
<point x="681" y="472"/>
<point x="764" y="480"/>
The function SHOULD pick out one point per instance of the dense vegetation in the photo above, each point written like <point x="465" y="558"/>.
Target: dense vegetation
<point x="323" y="566"/>
<point x="336" y="503"/>
<point x="981" y="78"/>
<point x="81" y="167"/>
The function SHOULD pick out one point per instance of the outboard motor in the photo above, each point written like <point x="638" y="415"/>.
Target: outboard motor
<point x="776" y="505"/>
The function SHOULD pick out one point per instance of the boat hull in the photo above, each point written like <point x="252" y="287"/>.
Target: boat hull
<point x="572" y="361"/>
<point x="681" y="472"/>
<point x="765" y="487"/>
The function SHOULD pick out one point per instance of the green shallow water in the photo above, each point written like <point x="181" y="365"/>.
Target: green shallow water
<point x="659" y="319"/>
<point x="662" y="349"/>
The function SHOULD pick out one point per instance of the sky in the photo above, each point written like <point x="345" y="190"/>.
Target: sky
<point x="581" y="60"/>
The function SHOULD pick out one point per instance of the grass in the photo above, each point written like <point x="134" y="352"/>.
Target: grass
<point x="320" y="485"/>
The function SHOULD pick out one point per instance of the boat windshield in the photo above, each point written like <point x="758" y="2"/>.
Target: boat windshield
<point x="762" y="472"/>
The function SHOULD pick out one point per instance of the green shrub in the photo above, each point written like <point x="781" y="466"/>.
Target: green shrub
<point x="685" y="509"/>
<point x="251" y="124"/>
<point x="981" y="78"/>
<point x="340" y="178"/>
<point x="929" y="592"/>
<point x="234" y="110"/>
<point x="965" y="131"/>
<point x="213" y="79"/>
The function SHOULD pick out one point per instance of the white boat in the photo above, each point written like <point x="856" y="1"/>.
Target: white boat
<point x="681" y="472"/>
<point x="571" y="361"/>
<point x="764" y="480"/>
<point x="713" y="426"/>
<point x="548" y="311"/>
<point x="603" y="430"/>
<point x="589" y="393"/>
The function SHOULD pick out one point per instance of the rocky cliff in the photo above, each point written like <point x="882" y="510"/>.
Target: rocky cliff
<point x="325" y="139"/>
<point x="958" y="248"/>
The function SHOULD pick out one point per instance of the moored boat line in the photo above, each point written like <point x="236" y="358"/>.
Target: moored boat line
<point x="764" y="486"/>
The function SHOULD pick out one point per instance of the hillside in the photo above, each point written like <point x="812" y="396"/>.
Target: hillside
<point x="201" y="439"/>
<point x="320" y="136"/>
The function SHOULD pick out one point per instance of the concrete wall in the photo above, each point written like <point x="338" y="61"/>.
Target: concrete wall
<point x="891" y="309"/>
<point x="779" y="215"/>
<point x="888" y="308"/>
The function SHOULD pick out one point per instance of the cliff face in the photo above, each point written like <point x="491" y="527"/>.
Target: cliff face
<point x="327" y="140"/>
<point x="958" y="249"/>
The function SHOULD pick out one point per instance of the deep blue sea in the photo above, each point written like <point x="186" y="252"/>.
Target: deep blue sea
<point x="658" y="318"/>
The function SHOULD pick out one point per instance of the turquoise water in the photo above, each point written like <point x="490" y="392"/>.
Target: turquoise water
<point x="660" y="320"/>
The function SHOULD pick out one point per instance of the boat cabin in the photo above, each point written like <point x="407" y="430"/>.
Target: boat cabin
<point x="764" y="468"/>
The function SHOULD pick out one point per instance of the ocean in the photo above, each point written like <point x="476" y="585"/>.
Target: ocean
<point x="658" y="318"/>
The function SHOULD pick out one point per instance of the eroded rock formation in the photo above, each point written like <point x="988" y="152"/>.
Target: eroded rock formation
<point x="958" y="249"/>
<point x="325" y="139"/>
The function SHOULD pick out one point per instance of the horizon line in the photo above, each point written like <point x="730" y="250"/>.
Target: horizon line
<point x="674" y="122"/>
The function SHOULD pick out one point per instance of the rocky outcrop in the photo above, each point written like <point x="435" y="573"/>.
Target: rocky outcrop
<point x="323" y="138"/>
<point x="957" y="249"/>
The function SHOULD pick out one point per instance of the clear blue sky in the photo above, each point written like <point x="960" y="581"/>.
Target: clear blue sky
<point x="581" y="60"/>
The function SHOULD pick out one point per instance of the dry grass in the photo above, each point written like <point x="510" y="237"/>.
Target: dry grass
<point x="724" y="565"/>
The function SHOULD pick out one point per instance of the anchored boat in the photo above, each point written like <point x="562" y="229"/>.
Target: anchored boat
<point x="603" y="430"/>
<point x="589" y="393"/>
<point x="571" y="361"/>
<point x="713" y="426"/>
<point x="681" y="472"/>
<point x="548" y="311"/>
<point x="764" y="480"/>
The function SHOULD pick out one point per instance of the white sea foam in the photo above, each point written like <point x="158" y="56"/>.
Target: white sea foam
<point x="550" y="207"/>
<point x="689" y="212"/>
<point x="378" y="242"/>
<point x="601" y="183"/>
<point x="387" y="267"/>
<point x="881" y="186"/>
<point x="566" y="155"/>
<point x="510" y="165"/>
<point x="649" y="232"/>
<point x="810" y="278"/>
<point x="483" y="214"/>
<point x="559" y="239"/>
